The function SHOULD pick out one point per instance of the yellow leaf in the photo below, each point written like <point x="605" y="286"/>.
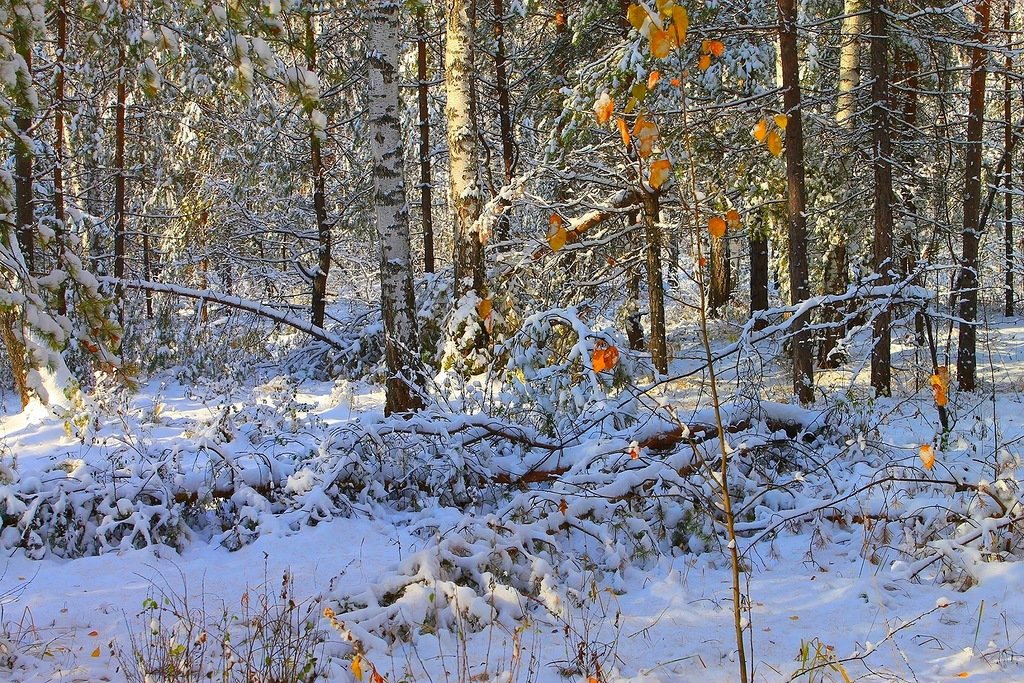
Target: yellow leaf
<point x="940" y="385"/>
<point x="716" y="227"/>
<point x="556" y="232"/>
<point x="623" y="131"/>
<point x="664" y="6"/>
<point x="927" y="456"/>
<point x="732" y="218"/>
<point x="705" y="62"/>
<point x="630" y="105"/>
<point x="781" y="120"/>
<point x="95" y="653"/>
<point x="638" y="91"/>
<point x="680" y="22"/>
<point x="774" y="143"/>
<point x="357" y="667"/>
<point x="760" y="130"/>
<point x="646" y="132"/>
<point x="636" y="15"/>
<point x="660" y="171"/>
<point x="661" y="43"/>
<point x="652" y="80"/>
<point x="604" y="107"/>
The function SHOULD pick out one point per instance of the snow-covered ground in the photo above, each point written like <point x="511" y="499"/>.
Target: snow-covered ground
<point x="552" y="580"/>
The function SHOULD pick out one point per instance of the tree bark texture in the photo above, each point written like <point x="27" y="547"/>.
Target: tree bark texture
<point x="463" y="149"/>
<point x="799" y="290"/>
<point x="1008" y="303"/>
<point x="323" y="227"/>
<point x="422" y="99"/>
<point x="966" y="359"/>
<point x="881" y="365"/>
<point x="404" y="384"/>
<point x="655" y="285"/>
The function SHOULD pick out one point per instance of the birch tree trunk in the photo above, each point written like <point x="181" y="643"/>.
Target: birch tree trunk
<point x="836" y="276"/>
<point x="463" y="149"/>
<point x="881" y="366"/>
<point x="799" y="290"/>
<point x="403" y="387"/>
<point x="966" y="359"/>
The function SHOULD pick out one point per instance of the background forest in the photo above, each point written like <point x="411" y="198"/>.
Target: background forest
<point x="562" y="290"/>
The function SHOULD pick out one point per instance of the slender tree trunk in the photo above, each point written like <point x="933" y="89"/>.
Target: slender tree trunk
<point x="836" y="257"/>
<point x="759" y="267"/>
<point x="24" y="201"/>
<point x="803" y="369"/>
<point x="323" y="228"/>
<point x="1008" y="304"/>
<point x="966" y="360"/>
<point x="881" y="366"/>
<point x="426" y="183"/>
<point x="463" y="149"/>
<point x="10" y="321"/>
<point x="655" y="285"/>
<point x="58" y="143"/>
<point x="404" y="385"/>
<point x="508" y="159"/>
<point x="120" y="206"/>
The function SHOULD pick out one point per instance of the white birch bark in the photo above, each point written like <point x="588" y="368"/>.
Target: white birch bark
<point x="398" y="306"/>
<point x="854" y="22"/>
<point x="463" y="148"/>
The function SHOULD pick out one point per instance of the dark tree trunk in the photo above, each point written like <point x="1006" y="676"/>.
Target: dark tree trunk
<point x="966" y="360"/>
<point x="323" y="228"/>
<point x="803" y="369"/>
<point x="422" y="96"/>
<point x="718" y="289"/>
<point x="759" y="267"/>
<point x="508" y="155"/>
<point x="1008" y="304"/>
<point x="881" y="364"/>
<point x="120" y="206"/>
<point x="655" y="286"/>
<point x="58" y="143"/>
<point x="24" y="202"/>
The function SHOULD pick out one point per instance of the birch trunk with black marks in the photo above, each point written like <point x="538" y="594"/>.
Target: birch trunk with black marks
<point x="404" y="384"/>
<point x="463" y="149"/>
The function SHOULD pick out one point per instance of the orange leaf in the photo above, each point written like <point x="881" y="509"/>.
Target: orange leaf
<point x="604" y="356"/>
<point x="927" y="456"/>
<point x="623" y="130"/>
<point x="732" y="218"/>
<point x="376" y="677"/>
<point x="716" y="227"/>
<point x="634" y="451"/>
<point x="963" y="674"/>
<point x="592" y="679"/>
<point x="556" y="232"/>
<point x="661" y="43"/>
<point x="680" y="22"/>
<point x="781" y="120"/>
<point x="675" y="82"/>
<point x="636" y="16"/>
<point x="95" y="653"/>
<point x="563" y="506"/>
<point x="660" y="171"/>
<point x="652" y="79"/>
<point x="705" y="62"/>
<point x="716" y="47"/>
<point x="940" y="386"/>
<point x="604" y="107"/>
<point x="484" y="308"/>
<point x="760" y="130"/>
<point x="646" y="132"/>
<point x="93" y="634"/>
<point x="774" y="143"/>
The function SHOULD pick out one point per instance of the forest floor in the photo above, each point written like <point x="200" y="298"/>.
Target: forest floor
<point x="825" y="588"/>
